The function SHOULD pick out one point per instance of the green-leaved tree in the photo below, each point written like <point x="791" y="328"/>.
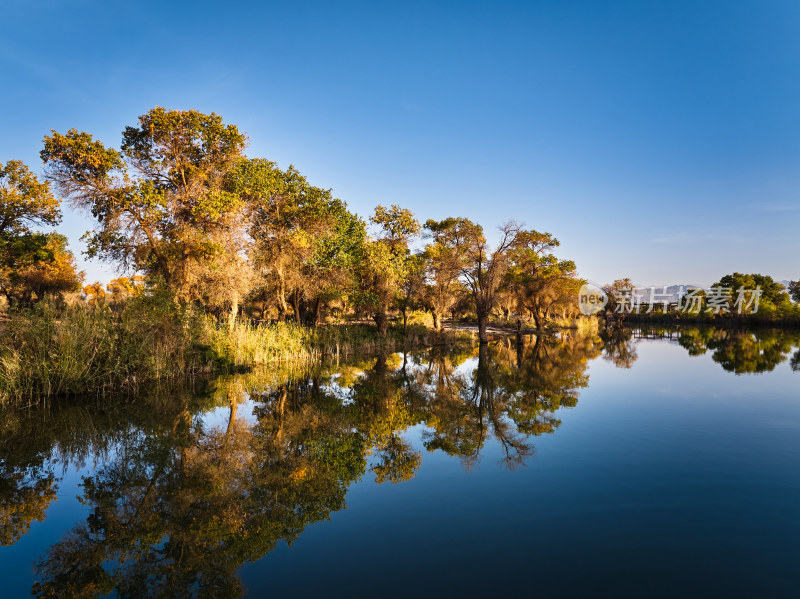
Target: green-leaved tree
<point x="160" y="201"/>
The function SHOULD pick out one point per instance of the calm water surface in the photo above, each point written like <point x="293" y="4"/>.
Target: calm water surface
<point x="623" y="465"/>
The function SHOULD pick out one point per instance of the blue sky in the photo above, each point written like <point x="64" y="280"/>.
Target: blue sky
<point x="656" y="140"/>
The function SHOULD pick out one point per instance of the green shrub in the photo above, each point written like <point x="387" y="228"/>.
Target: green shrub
<point x="47" y="352"/>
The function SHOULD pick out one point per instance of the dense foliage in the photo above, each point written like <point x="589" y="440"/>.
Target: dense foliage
<point x="180" y="204"/>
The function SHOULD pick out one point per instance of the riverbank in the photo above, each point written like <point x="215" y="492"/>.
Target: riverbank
<point x="50" y="351"/>
<point x="47" y="351"/>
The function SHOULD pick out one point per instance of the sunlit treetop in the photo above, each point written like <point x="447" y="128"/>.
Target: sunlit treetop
<point x="160" y="201"/>
<point x="398" y="225"/>
<point x="24" y="200"/>
<point x="771" y="290"/>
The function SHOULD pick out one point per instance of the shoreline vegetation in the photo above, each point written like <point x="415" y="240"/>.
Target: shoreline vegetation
<point x="216" y="242"/>
<point x="50" y="351"/>
<point x="741" y="300"/>
<point x="47" y="352"/>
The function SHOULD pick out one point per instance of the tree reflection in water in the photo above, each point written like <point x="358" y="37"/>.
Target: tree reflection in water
<point x="177" y="504"/>
<point x="741" y="351"/>
<point x="511" y="393"/>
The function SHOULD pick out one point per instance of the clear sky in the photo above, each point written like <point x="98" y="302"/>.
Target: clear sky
<point x="656" y="140"/>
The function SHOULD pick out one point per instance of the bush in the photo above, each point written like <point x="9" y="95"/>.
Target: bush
<point x="45" y="351"/>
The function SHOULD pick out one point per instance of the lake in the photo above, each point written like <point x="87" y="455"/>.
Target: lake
<point x="635" y="463"/>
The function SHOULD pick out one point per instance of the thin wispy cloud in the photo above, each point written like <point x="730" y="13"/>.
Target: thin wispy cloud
<point x="777" y="206"/>
<point x="693" y="237"/>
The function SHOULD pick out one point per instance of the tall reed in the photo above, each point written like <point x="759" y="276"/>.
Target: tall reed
<point x="247" y="344"/>
<point x="47" y="352"/>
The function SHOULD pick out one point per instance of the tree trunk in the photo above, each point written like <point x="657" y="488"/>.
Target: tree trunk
<point x="296" y="306"/>
<point x="405" y="319"/>
<point x="282" y="308"/>
<point x="233" y="406"/>
<point x="483" y="336"/>
<point x="317" y="311"/>
<point x="382" y="322"/>
<point x="436" y="324"/>
<point x="281" y="413"/>
<point x="234" y="311"/>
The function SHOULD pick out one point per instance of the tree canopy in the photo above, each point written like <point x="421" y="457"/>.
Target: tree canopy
<point x="25" y="201"/>
<point x="179" y="202"/>
<point x="160" y="200"/>
<point x="32" y="263"/>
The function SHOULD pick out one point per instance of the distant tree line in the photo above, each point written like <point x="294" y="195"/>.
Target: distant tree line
<point x="734" y="297"/>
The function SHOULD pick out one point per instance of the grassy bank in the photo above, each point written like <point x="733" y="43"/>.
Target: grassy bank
<point x="47" y="352"/>
<point x="246" y="344"/>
